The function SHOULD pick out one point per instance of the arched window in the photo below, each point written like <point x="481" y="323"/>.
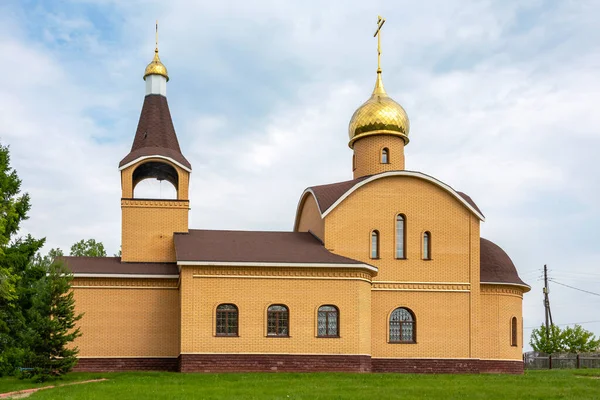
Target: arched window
<point x="400" y="236"/>
<point x="385" y="156"/>
<point x="227" y="320"/>
<point x="353" y="162"/>
<point x="513" y="331"/>
<point x="426" y="246"/>
<point x="375" y="244"/>
<point x="278" y="320"/>
<point x="328" y="321"/>
<point x="402" y="326"/>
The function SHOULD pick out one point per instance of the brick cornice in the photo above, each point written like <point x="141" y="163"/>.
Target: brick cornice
<point x="308" y="273"/>
<point x="421" y="287"/>
<point x="117" y="283"/>
<point x="145" y="203"/>
<point x="501" y="290"/>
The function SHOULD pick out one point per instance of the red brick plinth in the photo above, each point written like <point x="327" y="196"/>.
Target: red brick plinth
<point x="273" y="363"/>
<point x="298" y="363"/>
<point x="126" y="364"/>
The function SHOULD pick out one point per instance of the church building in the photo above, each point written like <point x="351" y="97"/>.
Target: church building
<point x="385" y="272"/>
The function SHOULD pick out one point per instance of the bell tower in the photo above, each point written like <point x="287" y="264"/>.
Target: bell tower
<point x="148" y="224"/>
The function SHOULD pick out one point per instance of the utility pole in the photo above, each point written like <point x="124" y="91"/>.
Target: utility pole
<point x="547" y="303"/>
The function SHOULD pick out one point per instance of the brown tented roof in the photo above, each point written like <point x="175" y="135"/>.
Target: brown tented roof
<point x="155" y="135"/>
<point x="328" y="194"/>
<point x="496" y="266"/>
<point x="257" y="247"/>
<point x="113" y="265"/>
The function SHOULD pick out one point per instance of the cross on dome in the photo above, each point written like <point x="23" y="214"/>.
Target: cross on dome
<point x="156" y="67"/>
<point x="380" y="114"/>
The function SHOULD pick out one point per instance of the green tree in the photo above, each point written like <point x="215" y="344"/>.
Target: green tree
<point x="579" y="340"/>
<point x="88" y="248"/>
<point x="547" y="340"/>
<point x="45" y="261"/>
<point x="13" y="209"/>
<point x="15" y="257"/>
<point x="51" y="325"/>
<point x="35" y="299"/>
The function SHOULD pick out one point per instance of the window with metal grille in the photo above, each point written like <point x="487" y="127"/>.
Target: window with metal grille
<point x="328" y="321"/>
<point x="227" y="320"/>
<point x="278" y="320"/>
<point x="402" y="326"/>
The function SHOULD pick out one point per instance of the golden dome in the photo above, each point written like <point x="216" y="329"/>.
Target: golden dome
<point x="156" y="67"/>
<point x="379" y="115"/>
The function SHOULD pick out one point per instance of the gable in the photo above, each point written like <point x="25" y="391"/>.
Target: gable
<point x="328" y="197"/>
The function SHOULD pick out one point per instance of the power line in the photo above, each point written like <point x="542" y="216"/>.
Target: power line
<point x="572" y="287"/>
<point x="570" y="323"/>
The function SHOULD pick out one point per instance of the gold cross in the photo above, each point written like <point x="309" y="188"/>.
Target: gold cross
<point x="380" y="22"/>
<point x="156" y="36"/>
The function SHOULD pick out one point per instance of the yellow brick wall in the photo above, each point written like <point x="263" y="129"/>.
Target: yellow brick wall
<point x="427" y="208"/>
<point x="499" y="303"/>
<point x="148" y="227"/>
<point x="252" y="290"/>
<point x="310" y="217"/>
<point x="442" y="324"/>
<point x="367" y="155"/>
<point x="474" y="279"/>
<point x="446" y="312"/>
<point x="127" y="317"/>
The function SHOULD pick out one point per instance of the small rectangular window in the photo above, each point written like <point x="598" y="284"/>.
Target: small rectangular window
<point x="427" y="246"/>
<point x="513" y="329"/>
<point x="375" y="244"/>
<point x="400" y="236"/>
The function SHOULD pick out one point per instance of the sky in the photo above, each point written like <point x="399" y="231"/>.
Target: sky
<point x="502" y="97"/>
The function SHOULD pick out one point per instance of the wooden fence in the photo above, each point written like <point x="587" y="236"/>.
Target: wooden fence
<point x="535" y="360"/>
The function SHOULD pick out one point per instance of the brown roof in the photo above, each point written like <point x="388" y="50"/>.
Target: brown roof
<point x="328" y="194"/>
<point x="258" y="247"/>
<point x="113" y="265"/>
<point x="469" y="200"/>
<point x="155" y="135"/>
<point x="496" y="266"/>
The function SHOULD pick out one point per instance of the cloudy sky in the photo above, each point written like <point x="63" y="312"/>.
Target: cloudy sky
<point x="502" y="99"/>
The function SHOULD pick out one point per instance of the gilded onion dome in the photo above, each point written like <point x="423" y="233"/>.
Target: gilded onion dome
<point x="156" y="67"/>
<point x="380" y="115"/>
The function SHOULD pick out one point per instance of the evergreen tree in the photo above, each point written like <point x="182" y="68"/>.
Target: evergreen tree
<point x="52" y="325"/>
<point x="36" y="306"/>
<point x="15" y="257"/>
<point x="13" y="210"/>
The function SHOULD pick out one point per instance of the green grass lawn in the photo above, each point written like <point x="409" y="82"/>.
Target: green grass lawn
<point x="556" y="384"/>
